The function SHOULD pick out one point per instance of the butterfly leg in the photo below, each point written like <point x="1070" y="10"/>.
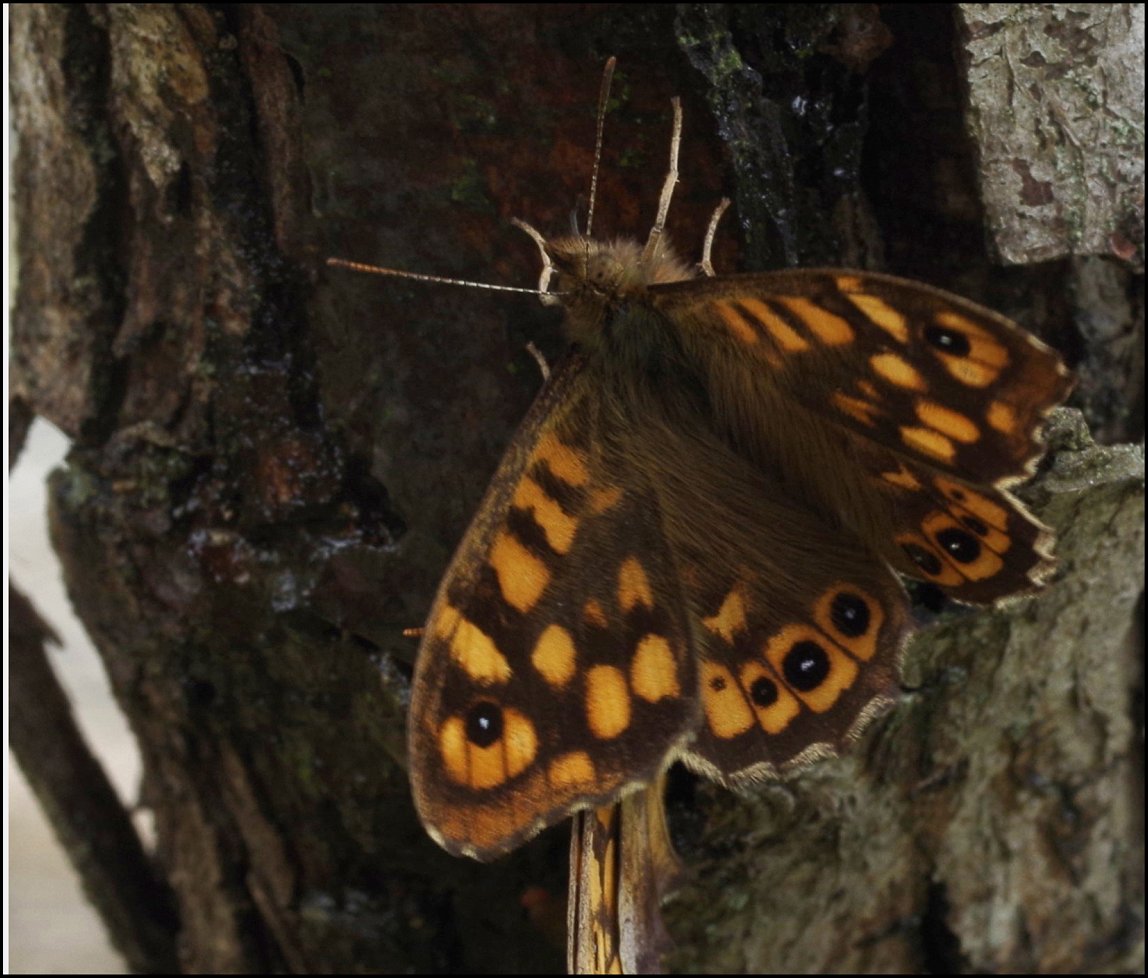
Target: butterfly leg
<point x="547" y="264"/>
<point x="540" y="359"/>
<point x="706" y="264"/>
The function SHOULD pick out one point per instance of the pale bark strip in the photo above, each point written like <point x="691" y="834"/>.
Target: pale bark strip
<point x="1056" y="108"/>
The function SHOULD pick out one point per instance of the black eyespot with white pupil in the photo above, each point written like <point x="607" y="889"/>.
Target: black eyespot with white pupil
<point x="484" y="724"/>
<point x="961" y="546"/>
<point x="806" y="665"/>
<point x="948" y="340"/>
<point x="850" y="614"/>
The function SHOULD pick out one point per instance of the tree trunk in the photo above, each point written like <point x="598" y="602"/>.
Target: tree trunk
<point x="272" y="462"/>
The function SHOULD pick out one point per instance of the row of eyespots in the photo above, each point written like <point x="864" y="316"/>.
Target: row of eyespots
<point x="966" y="543"/>
<point x="799" y="666"/>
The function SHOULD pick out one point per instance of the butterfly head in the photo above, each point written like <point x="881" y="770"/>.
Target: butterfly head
<point x="596" y="277"/>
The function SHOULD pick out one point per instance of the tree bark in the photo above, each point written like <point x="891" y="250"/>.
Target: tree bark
<point x="272" y="462"/>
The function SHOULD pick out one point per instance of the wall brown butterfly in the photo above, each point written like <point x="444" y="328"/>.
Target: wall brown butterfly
<point x="691" y="547"/>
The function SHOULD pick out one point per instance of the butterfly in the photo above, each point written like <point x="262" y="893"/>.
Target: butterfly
<point x="693" y="545"/>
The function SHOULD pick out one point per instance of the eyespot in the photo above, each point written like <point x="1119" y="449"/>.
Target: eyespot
<point x="850" y="614"/>
<point x="959" y="545"/>
<point x="484" y="724"/>
<point x="928" y="562"/>
<point x="851" y="617"/>
<point x="806" y="665"/>
<point x="763" y="692"/>
<point x="948" y="340"/>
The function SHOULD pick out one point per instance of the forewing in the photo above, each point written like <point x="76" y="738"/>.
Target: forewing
<point x="900" y="410"/>
<point x="931" y="376"/>
<point x="555" y="672"/>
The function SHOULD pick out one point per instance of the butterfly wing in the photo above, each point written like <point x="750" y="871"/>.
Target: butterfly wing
<point x="896" y="408"/>
<point x="798" y="625"/>
<point x="555" y="671"/>
<point x="977" y="543"/>
<point x="622" y="866"/>
<point x="927" y="373"/>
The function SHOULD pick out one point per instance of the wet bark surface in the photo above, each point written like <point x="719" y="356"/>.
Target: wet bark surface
<point x="272" y="462"/>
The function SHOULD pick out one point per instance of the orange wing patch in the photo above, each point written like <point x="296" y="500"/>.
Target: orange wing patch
<point x="737" y="323"/>
<point x="522" y="577"/>
<point x="476" y="652"/>
<point x="784" y="335"/>
<point x="863" y="411"/>
<point x="1002" y="417"/>
<point x="654" y="671"/>
<point x="878" y="311"/>
<point x="566" y="463"/>
<point x="593" y="614"/>
<point x="727" y="712"/>
<point x="898" y="371"/>
<point x="730" y="617"/>
<point x="554" y="656"/>
<point x="607" y="702"/>
<point x="948" y="422"/>
<point x="902" y="479"/>
<point x="929" y="442"/>
<point x="603" y="499"/>
<point x="831" y="329"/>
<point x="573" y="770"/>
<point x="558" y="526"/>
<point x="633" y="586"/>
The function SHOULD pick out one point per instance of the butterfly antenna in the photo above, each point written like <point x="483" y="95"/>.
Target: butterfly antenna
<point x="653" y="241"/>
<point x="707" y="245"/>
<point x="355" y="266"/>
<point x="603" y="97"/>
